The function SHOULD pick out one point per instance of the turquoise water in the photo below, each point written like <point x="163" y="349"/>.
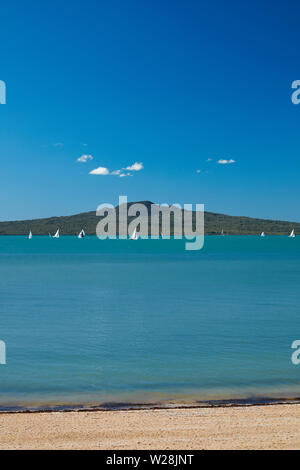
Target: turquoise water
<point x="104" y="322"/>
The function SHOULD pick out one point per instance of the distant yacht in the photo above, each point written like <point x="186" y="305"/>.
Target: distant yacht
<point x="262" y="234"/>
<point x="292" y="234"/>
<point x="134" y="236"/>
<point x="222" y="233"/>
<point x="81" y="234"/>
<point x="30" y="235"/>
<point x="56" y="235"/>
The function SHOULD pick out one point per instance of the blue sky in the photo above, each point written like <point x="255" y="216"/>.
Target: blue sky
<point x="169" y="84"/>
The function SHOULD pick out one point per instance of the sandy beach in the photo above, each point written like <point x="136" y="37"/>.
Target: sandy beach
<point x="243" y="427"/>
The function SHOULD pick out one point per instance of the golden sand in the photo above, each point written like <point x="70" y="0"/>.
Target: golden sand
<point x="252" y="427"/>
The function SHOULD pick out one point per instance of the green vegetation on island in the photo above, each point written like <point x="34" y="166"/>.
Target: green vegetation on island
<point x="213" y="224"/>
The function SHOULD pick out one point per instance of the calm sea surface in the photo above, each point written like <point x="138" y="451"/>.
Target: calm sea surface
<point x="104" y="322"/>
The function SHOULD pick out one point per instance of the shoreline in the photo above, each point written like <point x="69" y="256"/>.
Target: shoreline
<point x="209" y="234"/>
<point x="121" y="406"/>
<point x="256" y="427"/>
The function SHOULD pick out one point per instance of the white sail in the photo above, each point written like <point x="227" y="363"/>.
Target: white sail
<point x="134" y="236"/>
<point x="222" y="232"/>
<point x="30" y="235"/>
<point x="262" y="234"/>
<point x="56" y="235"/>
<point x="81" y="234"/>
<point x="292" y="234"/>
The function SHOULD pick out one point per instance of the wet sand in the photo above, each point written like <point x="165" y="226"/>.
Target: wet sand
<point x="242" y="427"/>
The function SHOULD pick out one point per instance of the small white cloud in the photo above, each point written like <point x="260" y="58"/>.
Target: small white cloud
<point x="58" y="144"/>
<point x="198" y="171"/>
<point x="101" y="170"/>
<point x="226" y="162"/>
<point x="135" y="167"/>
<point x="84" y="158"/>
<point x="105" y="171"/>
<point x="209" y="160"/>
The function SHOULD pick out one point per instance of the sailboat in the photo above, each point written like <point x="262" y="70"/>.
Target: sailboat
<point x="292" y="234"/>
<point x="81" y="234"/>
<point x="262" y="234"/>
<point x="30" y="235"/>
<point x="134" y="236"/>
<point x="56" y="235"/>
<point x="222" y="233"/>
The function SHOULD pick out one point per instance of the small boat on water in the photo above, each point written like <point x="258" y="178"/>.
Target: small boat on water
<point x="222" y="233"/>
<point x="56" y="235"/>
<point x="81" y="234"/>
<point x="134" y="236"/>
<point x="292" y="234"/>
<point x="262" y="234"/>
<point x="30" y="235"/>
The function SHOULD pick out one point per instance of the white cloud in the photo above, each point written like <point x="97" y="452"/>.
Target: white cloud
<point x="105" y="171"/>
<point x="101" y="170"/>
<point x="84" y="158"/>
<point x="135" y="167"/>
<point x="209" y="160"/>
<point x="58" y="144"/>
<point x="198" y="171"/>
<point x="226" y="162"/>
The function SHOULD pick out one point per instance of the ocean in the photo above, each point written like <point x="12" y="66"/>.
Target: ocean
<point x="117" y="323"/>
